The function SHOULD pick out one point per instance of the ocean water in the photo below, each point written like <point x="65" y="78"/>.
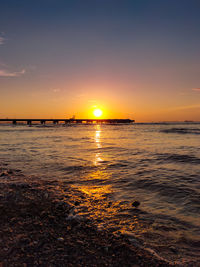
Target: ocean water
<point x="114" y="165"/>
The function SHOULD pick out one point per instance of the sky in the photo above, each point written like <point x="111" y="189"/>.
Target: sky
<point x="137" y="59"/>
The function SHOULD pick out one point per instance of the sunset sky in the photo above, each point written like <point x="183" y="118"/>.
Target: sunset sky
<point x="137" y="59"/>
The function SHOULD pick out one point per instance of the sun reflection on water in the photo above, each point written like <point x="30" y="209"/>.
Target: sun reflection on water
<point x="99" y="193"/>
<point x="97" y="178"/>
<point x="96" y="191"/>
<point x="97" y="136"/>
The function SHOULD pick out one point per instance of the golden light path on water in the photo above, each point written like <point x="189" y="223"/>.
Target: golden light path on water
<point x="100" y="174"/>
<point x="110" y="214"/>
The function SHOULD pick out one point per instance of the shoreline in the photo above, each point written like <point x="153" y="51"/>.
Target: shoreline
<point x="40" y="228"/>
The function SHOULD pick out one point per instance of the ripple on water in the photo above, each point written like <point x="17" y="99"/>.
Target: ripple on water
<point x="182" y="130"/>
<point x="167" y="157"/>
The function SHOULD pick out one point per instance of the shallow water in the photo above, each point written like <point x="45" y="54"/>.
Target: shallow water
<point x="156" y="164"/>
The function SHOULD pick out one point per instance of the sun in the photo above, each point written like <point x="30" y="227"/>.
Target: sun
<point x="97" y="112"/>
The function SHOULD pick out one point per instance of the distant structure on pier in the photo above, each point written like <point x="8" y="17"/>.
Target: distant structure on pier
<point x="73" y="117"/>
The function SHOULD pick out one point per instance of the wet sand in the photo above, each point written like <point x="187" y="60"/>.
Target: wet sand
<point x="39" y="228"/>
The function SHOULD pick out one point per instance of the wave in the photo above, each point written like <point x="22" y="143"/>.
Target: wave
<point x="78" y="168"/>
<point x="182" y="130"/>
<point x="117" y="165"/>
<point x="171" y="192"/>
<point x="167" y="157"/>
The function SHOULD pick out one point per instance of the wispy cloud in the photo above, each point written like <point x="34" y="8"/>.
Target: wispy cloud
<point x="196" y="89"/>
<point x="56" y="90"/>
<point x="187" y="107"/>
<point x="2" y="40"/>
<point x="5" y="73"/>
<point x="92" y="101"/>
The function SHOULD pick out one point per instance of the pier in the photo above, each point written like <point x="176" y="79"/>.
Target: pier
<point x="66" y="121"/>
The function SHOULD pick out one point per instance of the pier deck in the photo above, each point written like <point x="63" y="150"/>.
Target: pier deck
<point x="55" y="121"/>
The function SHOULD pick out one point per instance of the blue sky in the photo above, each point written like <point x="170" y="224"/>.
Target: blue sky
<point x="141" y="54"/>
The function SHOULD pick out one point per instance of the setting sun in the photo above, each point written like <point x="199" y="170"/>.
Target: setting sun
<point x="97" y="112"/>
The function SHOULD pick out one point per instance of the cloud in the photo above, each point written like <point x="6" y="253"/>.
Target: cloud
<point x="5" y="73"/>
<point x="196" y="89"/>
<point x="56" y="90"/>
<point x="187" y="107"/>
<point x="92" y="101"/>
<point x="2" y="40"/>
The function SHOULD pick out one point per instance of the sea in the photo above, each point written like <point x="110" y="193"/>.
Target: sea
<point x="156" y="164"/>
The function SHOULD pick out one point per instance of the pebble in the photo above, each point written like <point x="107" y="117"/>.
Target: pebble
<point x="136" y="204"/>
<point x="4" y="173"/>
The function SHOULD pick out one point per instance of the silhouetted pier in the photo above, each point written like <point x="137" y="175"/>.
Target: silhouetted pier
<point x="66" y="121"/>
